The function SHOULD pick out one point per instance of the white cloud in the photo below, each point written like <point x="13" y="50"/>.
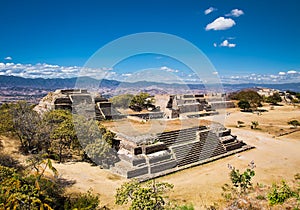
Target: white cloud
<point x="165" y="68"/>
<point x="220" y="23"/>
<point x="292" y="72"/>
<point x="126" y="75"/>
<point x="282" y="77"/>
<point x="209" y="10"/>
<point x="215" y="44"/>
<point x="226" y="43"/>
<point x="52" y="71"/>
<point x="8" y="58"/>
<point x="235" y="13"/>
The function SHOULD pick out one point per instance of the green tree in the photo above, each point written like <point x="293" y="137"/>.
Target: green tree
<point x="151" y="195"/>
<point x="26" y="126"/>
<point x="122" y="101"/>
<point x="243" y="104"/>
<point x="294" y="123"/>
<point x="24" y="192"/>
<point x="96" y="141"/>
<point x="251" y="96"/>
<point x="141" y="101"/>
<point x="35" y="191"/>
<point x="62" y="132"/>
<point x="6" y="119"/>
<point x="274" y="99"/>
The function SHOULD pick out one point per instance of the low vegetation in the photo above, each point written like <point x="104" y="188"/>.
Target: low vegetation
<point x="274" y="99"/>
<point x="122" y="101"/>
<point x="294" y="123"/>
<point x="150" y="195"/>
<point x="241" y="193"/>
<point x="29" y="189"/>
<point x="142" y="101"/>
<point x="248" y="99"/>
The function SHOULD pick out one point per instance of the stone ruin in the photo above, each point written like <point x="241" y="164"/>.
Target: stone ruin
<point x="154" y="155"/>
<point x="174" y="106"/>
<point x="193" y="106"/>
<point x="70" y="99"/>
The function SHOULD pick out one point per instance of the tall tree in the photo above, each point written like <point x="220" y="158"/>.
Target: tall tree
<point x="121" y="101"/>
<point x="251" y="96"/>
<point x="26" y="123"/>
<point x="141" y="101"/>
<point x="6" y="119"/>
<point x="243" y="104"/>
<point x="62" y="131"/>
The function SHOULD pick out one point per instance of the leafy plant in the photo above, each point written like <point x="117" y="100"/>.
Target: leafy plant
<point x="244" y="104"/>
<point x="185" y="207"/>
<point x="86" y="201"/>
<point x="294" y="123"/>
<point x="274" y="99"/>
<point x="151" y="195"/>
<point x="252" y="97"/>
<point x="240" y="182"/>
<point x="121" y="101"/>
<point x="254" y="124"/>
<point x="24" y="192"/>
<point x="278" y="194"/>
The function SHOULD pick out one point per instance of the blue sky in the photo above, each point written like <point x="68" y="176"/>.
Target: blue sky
<point x="240" y="37"/>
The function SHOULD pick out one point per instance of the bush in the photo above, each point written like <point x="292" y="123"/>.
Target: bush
<point x="86" y="201"/>
<point x="294" y="123"/>
<point x="278" y="194"/>
<point x="26" y="192"/>
<point x="185" y="207"/>
<point x="121" y="101"/>
<point x="151" y="195"/>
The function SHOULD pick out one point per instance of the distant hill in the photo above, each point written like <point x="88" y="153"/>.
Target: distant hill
<point x="58" y="83"/>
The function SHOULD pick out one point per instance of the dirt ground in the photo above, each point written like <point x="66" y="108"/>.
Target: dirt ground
<point x="276" y="158"/>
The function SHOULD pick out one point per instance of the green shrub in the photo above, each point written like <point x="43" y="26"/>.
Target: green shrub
<point x="278" y="194"/>
<point x="185" y="207"/>
<point x="260" y="197"/>
<point x="86" y="201"/>
<point x="242" y="180"/>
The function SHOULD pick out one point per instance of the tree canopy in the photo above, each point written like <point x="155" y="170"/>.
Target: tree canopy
<point x="250" y="96"/>
<point x="274" y="99"/>
<point x="121" y="101"/>
<point x="294" y="123"/>
<point x="141" y="101"/>
<point x="243" y="104"/>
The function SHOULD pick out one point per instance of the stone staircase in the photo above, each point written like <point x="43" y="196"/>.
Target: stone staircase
<point x="180" y="136"/>
<point x="182" y="148"/>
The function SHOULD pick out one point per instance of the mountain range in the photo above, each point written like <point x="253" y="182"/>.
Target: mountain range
<point x="59" y="83"/>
